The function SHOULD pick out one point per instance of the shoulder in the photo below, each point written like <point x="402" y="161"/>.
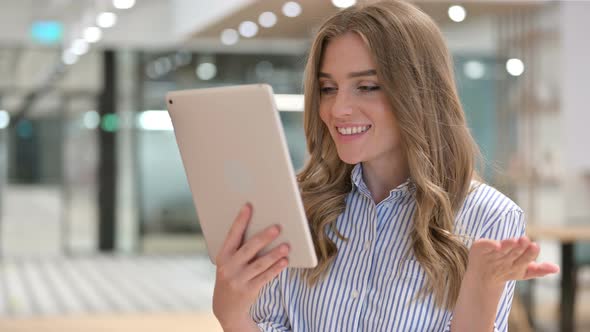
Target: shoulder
<point x="483" y="207"/>
<point x="484" y="197"/>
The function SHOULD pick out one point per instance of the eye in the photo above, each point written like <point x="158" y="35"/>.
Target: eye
<point x="327" y="90"/>
<point x="368" y="88"/>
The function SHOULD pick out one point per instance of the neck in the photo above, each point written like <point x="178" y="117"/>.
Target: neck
<point x="381" y="176"/>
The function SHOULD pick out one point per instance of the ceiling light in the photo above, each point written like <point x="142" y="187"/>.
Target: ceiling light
<point x="69" y="58"/>
<point x="4" y="119"/>
<point x="92" y="34"/>
<point x="91" y="120"/>
<point x="474" y="69"/>
<point x="162" y="66"/>
<point x="343" y="3"/>
<point x="229" y="36"/>
<point x="248" y="29"/>
<point x="457" y="13"/>
<point x="291" y="9"/>
<point x="79" y="47"/>
<point x="123" y="4"/>
<point x="289" y="103"/>
<point x="150" y="71"/>
<point x="154" y="120"/>
<point x="106" y="20"/>
<point x="515" y="67"/>
<point x="206" y="71"/>
<point x="267" y="19"/>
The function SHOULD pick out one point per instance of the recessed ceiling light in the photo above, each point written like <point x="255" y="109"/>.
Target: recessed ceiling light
<point x="229" y="36"/>
<point x="91" y="119"/>
<point x="69" y="58"/>
<point x="515" y="67"/>
<point x="206" y="71"/>
<point x="123" y="4"/>
<point x="291" y="9"/>
<point x="106" y="20"/>
<point x="457" y="13"/>
<point x="343" y="3"/>
<point x="4" y="119"/>
<point x="92" y="34"/>
<point x="474" y="69"/>
<point x="79" y="47"/>
<point x="267" y="19"/>
<point x="248" y="29"/>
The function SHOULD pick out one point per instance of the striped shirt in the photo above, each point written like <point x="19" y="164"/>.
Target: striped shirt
<point x="373" y="282"/>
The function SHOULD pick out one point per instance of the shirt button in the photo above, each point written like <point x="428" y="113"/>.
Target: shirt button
<point x="355" y="294"/>
<point x="367" y="245"/>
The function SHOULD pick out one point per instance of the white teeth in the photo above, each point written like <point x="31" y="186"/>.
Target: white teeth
<point x="353" y="130"/>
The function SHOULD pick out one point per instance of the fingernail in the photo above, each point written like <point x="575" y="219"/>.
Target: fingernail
<point x="274" y="231"/>
<point x="284" y="249"/>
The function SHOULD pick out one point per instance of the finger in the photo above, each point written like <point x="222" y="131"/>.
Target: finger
<point x="536" y="270"/>
<point x="235" y="235"/>
<point x="529" y="255"/>
<point x="518" y="250"/>
<point x="249" y="249"/>
<point x="507" y="246"/>
<point x="486" y="246"/>
<point x="263" y="263"/>
<point x="263" y="278"/>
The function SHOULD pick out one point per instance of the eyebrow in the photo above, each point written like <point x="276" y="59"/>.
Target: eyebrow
<point x="370" y="72"/>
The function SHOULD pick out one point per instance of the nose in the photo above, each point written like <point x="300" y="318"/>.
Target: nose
<point x="343" y="105"/>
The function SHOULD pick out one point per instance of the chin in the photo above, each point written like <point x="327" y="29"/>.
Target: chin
<point x="351" y="160"/>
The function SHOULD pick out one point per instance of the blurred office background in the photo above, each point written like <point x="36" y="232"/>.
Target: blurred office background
<point x="98" y="230"/>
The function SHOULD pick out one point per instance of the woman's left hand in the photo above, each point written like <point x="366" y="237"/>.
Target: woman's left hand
<point x="491" y="264"/>
<point x="496" y="262"/>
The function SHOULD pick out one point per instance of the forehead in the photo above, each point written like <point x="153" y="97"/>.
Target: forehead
<point x="346" y="53"/>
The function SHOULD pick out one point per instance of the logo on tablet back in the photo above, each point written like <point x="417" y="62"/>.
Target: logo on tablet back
<point x="237" y="177"/>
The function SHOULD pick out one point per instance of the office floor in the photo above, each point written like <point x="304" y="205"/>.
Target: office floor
<point x="107" y="293"/>
<point x="179" y="322"/>
<point x="49" y="287"/>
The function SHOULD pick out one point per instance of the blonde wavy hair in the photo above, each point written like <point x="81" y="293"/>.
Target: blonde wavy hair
<point x="415" y="70"/>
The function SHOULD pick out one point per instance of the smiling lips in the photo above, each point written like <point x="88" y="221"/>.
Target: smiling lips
<point x="349" y="131"/>
<point x="349" y="134"/>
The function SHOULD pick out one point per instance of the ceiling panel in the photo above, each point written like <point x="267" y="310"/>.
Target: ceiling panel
<point x="315" y="11"/>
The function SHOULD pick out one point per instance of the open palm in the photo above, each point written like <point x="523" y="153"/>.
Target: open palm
<point x="510" y="259"/>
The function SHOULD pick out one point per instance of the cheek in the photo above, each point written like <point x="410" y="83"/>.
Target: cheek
<point x="395" y="135"/>
<point x="324" y="116"/>
<point x="391" y="129"/>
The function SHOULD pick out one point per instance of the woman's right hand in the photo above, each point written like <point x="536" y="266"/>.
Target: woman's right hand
<point x="240" y="275"/>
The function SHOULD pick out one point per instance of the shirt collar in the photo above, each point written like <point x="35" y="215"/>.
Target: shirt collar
<point x="402" y="190"/>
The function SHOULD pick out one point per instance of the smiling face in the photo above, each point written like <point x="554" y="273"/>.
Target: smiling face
<point x="353" y="107"/>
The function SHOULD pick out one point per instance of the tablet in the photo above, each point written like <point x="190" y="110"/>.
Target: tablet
<point x="234" y="151"/>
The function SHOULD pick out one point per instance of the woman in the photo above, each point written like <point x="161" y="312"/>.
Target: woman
<point x="407" y="238"/>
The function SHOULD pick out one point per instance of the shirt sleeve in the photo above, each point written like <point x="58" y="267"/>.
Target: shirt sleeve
<point x="511" y="225"/>
<point x="268" y="312"/>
